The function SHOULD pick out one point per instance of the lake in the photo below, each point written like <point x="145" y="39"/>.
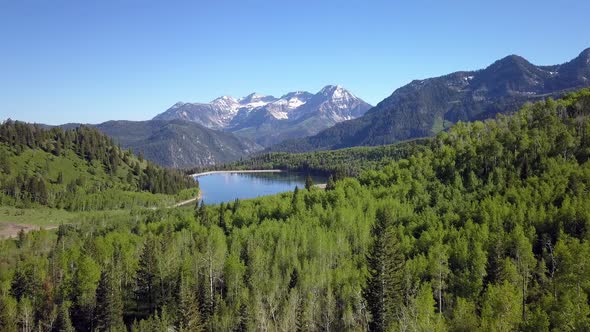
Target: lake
<point x="226" y="187"/>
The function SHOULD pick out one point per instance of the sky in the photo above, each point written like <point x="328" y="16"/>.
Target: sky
<point x="93" y="61"/>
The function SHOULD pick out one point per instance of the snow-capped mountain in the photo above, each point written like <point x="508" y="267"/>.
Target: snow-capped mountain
<point x="334" y="103"/>
<point x="284" y="106"/>
<point x="255" y="100"/>
<point x="267" y="119"/>
<point x="216" y="114"/>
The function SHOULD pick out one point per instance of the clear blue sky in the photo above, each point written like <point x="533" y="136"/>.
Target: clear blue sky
<point x="91" y="61"/>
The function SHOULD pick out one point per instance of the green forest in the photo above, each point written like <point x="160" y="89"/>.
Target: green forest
<point x="485" y="227"/>
<point x="349" y="162"/>
<point x="80" y="170"/>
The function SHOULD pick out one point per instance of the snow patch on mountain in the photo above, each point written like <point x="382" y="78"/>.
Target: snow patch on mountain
<point x="333" y="103"/>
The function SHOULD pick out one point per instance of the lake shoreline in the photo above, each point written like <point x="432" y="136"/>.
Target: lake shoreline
<point x="196" y="175"/>
<point x="226" y="186"/>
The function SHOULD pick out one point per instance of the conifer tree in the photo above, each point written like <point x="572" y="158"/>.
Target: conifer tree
<point x="236" y="205"/>
<point x="109" y="306"/>
<point x="196" y="210"/>
<point x="4" y="163"/>
<point x="383" y="292"/>
<point x="202" y="215"/>
<point x="296" y="204"/>
<point x="147" y="279"/>
<point x="331" y="185"/>
<point x="189" y="316"/>
<point x="63" y="322"/>
<point x="222" y="221"/>
<point x="114" y="160"/>
<point x="308" y="182"/>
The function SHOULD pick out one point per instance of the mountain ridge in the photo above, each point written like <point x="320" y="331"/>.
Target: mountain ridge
<point x="173" y="143"/>
<point x="178" y="143"/>
<point x="425" y="107"/>
<point x="266" y="119"/>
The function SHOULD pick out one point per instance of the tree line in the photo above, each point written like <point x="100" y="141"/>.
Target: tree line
<point x="342" y="163"/>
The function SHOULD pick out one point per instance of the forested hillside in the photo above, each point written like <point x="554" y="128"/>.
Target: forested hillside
<point x="484" y="229"/>
<point x="78" y="169"/>
<point x="340" y="163"/>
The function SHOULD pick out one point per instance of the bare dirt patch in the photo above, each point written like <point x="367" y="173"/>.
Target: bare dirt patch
<point x="10" y="230"/>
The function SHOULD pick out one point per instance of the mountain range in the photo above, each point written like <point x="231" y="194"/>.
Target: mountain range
<point x="425" y="107"/>
<point x="267" y="119"/>
<point x="199" y="134"/>
<point x="227" y="129"/>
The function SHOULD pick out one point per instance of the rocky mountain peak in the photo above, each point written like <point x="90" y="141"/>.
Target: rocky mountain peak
<point x="177" y="105"/>
<point x="585" y="55"/>
<point x="224" y="99"/>
<point x="330" y="89"/>
<point x="509" y="62"/>
<point x="256" y="97"/>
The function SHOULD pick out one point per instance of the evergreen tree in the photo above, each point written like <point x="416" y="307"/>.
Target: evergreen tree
<point x="83" y="293"/>
<point x="189" y="316"/>
<point x="196" y="210"/>
<point x="296" y="201"/>
<point x="294" y="278"/>
<point x="137" y="169"/>
<point x="63" y="322"/>
<point x="331" y="185"/>
<point x="236" y="205"/>
<point x="57" y="149"/>
<point x="308" y="182"/>
<point x="4" y="163"/>
<point x="114" y="160"/>
<point x="383" y="292"/>
<point x="24" y="283"/>
<point x="148" y="279"/>
<point x="109" y="306"/>
<point x="21" y="238"/>
<point x="202" y="215"/>
<point x="42" y="194"/>
<point x="222" y="219"/>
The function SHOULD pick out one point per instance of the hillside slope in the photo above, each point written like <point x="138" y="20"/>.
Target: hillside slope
<point x="178" y="143"/>
<point x="78" y="169"/>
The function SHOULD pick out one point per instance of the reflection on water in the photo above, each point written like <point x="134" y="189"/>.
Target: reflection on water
<point x="225" y="187"/>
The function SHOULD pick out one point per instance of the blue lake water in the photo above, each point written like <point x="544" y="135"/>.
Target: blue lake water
<point x="226" y="187"/>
